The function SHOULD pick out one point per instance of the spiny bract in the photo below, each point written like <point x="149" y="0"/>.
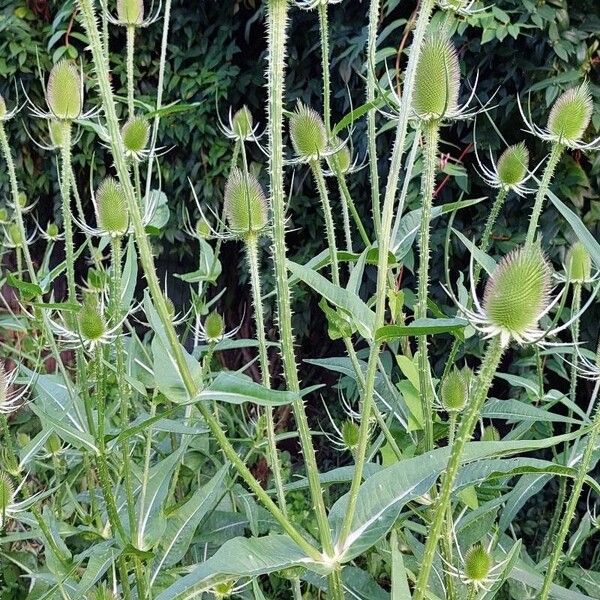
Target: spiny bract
<point x="478" y="563"/>
<point x="571" y="114"/>
<point x="579" y="263"/>
<point x="245" y="203"/>
<point x="130" y="12"/>
<point x="135" y="134"/>
<point x="517" y="292"/>
<point x="64" y="91"/>
<point x="437" y="80"/>
<point x="513" y="165"/>
<point x="308" y="134"/>
<point x="112" y="207"/>
<point x="455" y="389"/>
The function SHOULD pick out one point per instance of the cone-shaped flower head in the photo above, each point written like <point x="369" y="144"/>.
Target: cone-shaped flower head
<point x="3" y="216"/>
<point x="478" y="564"/>
<point x="202" y="228"/>
<point x="15" y="238"/>
<point x="242" y="123"/>
<point x="111" y="207"/>
<point x="490" y="434"/>
<point x="130" y="12"/>
<point x="455" y="389"/>
<point x="3" y="110"/>
<point x="513" y="165"/>
<point x="350" y="434"/>
<point x="517" y="293"/>
<point x="91" y="323"/>
<point x="437" y="80"/>
<point x="571" y="114"/>
<point x="135" y="134"/>
<point x="64" y="91"/>
<point x="245" y="204"/>
<point x="342" y="157"/>
<point x="52" y="230"/>
<point x="214" y="327"/>
<point x="7" y="493"/>
<point x="579" y="263"/>
<point x="308" y="133"/>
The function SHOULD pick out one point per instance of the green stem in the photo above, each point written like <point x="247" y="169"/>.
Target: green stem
<point x="65" y="154"/>
<point x="382" y="264"/>
<point x="371" y="126"/>
<point x="324" y="35"/>
<point x="252" y="254"/>
<point x="130" y="76"/>
<point x="145" y="254"/>
<point x="571" y="506"/>
<point x="430" y="153"/>
<point x="490" y="363"/>
<point x="349" y="203"/>
<point x="555" y="154"/>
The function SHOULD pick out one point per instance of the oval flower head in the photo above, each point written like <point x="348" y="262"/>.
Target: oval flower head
<point x="511" y="172"/>
<point x="111" y="208"/>
<point x="454" y="391"/>
<point x="245" y="204"/>
<point x="309" y="137"/>
<point x="64" y="92"/>
<point x="569" y="118"/>
<point x="212" y="330"/>
<point x="130" y="12"/>
<point x="135" y="134"/>
<point x="578" y="266"/>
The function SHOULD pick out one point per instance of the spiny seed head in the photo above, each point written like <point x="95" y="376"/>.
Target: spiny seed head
<point x="490" y="434"/>
<point x="64" y="91"/>
<point x="571" y="114"/>
<point x="224" y="589"/>
<point x="170" y="306"/>
<point x="55" y="131"/>
<point x="437" y="80"/>
<point x="478" y="563"/>
<point x="91" y="322"/>
<point x="350" y="434"/>
<point x="513" y="165"/>
<point x="455" y="389"/>
<point x="308" y="133"/>
<point x="135" y="134"/>
<point x="3" y="216"/>
<point x="112" y="207"/>
<point x="130" y="12"/>
<point x="579" y="263"/>
<point x="518" y="290"/>
<point x="242" y="123"/>
<point x="23" y="199"/>
<point x="202" y="228"/>
<point x="54" y="444"/>
<point x="52" y="230"/>
<point x="3" y="110"/>
<point x="342" y="157"/>
<point x="14" y="234"/>
<point x="214" y="326"/>
<point x="245" y="203"/>
<point x="7" y="492"/>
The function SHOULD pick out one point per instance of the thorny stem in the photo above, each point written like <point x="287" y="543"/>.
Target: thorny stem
<point x="348" y="202"/>
<point x="324" y="35"/>
<point x="542" y="192"/>
<point x="382" y="264"/>
<point x="130" y="77"/>
<point x="571" y="506"/>
<point x="65" y="155"/>
<point x="432" y="132"/>
<point x="490" y="363"/>
<point x="145" y="253"/>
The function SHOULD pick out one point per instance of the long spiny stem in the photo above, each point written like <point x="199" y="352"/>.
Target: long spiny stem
<point x="66" y="208"/>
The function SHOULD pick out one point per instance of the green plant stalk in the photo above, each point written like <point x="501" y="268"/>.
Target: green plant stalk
<point x="382" y="263"/>
<point x="555" y="155"/>
<point x="130" y="51"/>
<point x="371" y="126"/>
<point x="251" y="244"/>
<point x="65" y="156"/>
<point x="571" y="506"/>
<point x="348" y="202"/>
<point x="562" y="484"/>
<point x="277" y="17"/>
<point x="324" y="35"/>
<point x="145" y="253"/>
<point x="430" y="155"/>
<point x="489" y="364"/>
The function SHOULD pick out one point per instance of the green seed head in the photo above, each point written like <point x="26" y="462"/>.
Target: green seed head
<point x="14" y="235"/>
<point x="350" y="434"/>
<point x="513" y="165"/>
<point x="455" y="389"/>
<point x="245" y="203"/>
<point x="308" y="134"/>
<point x="579" y="263"/>
<point x="170" y="307"/>
<point x="490" y="434"/>
<point x="437" y="80"/>
<point x="571" y="114"/>
<point x="52" y="230"/>
<point x="112" y="207"/>
<point x="23" y="200"/>
<point x="341" y="158"/>
<point x="517" y="292"/>
<point x="3" y="216"/>
<point x="3" y="110"/>
<point x="7" y="492"/>
<point x="135" y="134"/>
<point x="478" y="563"/>
<point x="64" y="91"/>
<point x="242" y="123"/>
<point x="224" y="589"/>
<point x="130" y="12"/>
<point x="214" y="327"/>
<point x="54" y="444"/>
<point x="202" y="228"/>
<point x="55" y="131"/>
<point x="91" y="322"/>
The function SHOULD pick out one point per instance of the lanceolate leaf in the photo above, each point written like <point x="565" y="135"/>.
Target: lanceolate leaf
<point x="419" y="327"/>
